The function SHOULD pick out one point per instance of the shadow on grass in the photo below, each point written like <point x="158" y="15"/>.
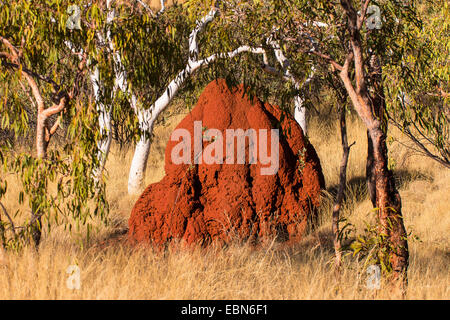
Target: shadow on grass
<point x="356" y="188"/>
<point x="355" y="193"/>
<point x="404" y="177"/>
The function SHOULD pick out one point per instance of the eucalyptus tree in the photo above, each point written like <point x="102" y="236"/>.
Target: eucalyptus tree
<point x="40" y="72"/>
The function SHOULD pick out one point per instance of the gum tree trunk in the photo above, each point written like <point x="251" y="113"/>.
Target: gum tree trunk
<point x="136" y="178"/>
<point x="41" y="143"/>
<point x="300" y="114"/>
<point x="380" y="178"/>
<point x="44" y="131"/>
<point x="379" y="108"/>
<point x="388" y="201"/>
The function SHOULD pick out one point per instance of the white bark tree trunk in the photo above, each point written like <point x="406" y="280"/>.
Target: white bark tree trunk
<point x="299" y="107"/>
<point x="300" y="114"/>
<point x="104" y="122"/>
<point x="105" y="111"/>
<point x="136" y="178"/>
<point x="104" y="117"/>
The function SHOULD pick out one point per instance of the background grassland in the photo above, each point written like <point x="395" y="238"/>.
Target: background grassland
<point x="114" y="270"/>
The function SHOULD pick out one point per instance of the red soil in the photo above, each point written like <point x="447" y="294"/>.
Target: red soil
<point x="201" y="203"/>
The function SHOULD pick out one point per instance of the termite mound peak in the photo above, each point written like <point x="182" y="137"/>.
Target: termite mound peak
<point x="204" y="203"/>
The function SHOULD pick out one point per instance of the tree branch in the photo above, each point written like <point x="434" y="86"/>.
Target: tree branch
<point x="55" y="108"/>
<point x="355" y="42"/>
<point x="6" y="55"/>
<point x="362" y="16"/>
<point x="147" y="8"/>
<point x="52" y="130"/>
<point x="423" y="150"/>
<point x="15" y="61"/>
<point x="328" y="59"/>
<point x="193" y="45"/>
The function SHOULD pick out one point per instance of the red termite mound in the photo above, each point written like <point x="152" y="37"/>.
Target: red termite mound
<point x="201" y="203"/>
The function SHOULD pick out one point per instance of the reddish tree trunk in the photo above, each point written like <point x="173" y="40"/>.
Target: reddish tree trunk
<point x="386" y="199"/>
<point x="389" y="207"/>
<point x="378" y="110"/>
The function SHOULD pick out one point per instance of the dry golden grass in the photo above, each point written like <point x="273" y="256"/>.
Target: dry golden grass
<point x="118" y="271"/>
